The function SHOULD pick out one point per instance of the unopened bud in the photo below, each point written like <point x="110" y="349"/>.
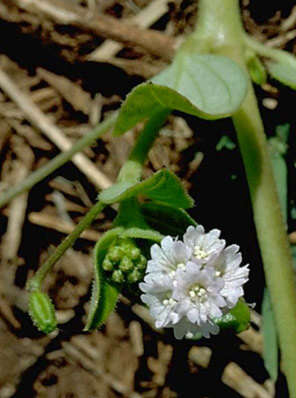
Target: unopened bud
<point x="135" y="276"/>
<point x="141" y="262"/>
<point x="42" y="312"/>
<point x="126" y="264"/>
<point x="117" y="276"/>
<point x="107" y="264"/>
<point x="135" y="253"/>
<point x="115" y="254"/>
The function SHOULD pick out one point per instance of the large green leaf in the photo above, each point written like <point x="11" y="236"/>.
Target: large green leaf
<point x="104" y="295"/>
<point x="284" y="73"/>
<point x="166" y="219"/>
<point x="204" y="85"/>
<point x="163" y="186"/>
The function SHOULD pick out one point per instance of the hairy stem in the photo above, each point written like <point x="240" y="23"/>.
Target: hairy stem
<point x="36" y="282"/>
<point x="219" y="21"/>
<point x="57" y="162"/>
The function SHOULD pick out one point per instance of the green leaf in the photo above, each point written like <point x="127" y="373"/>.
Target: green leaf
<point x="204" y="85"/>
<point x="129" y="215"/>
<point x="166" y="219"/>
<point x="117" y="190"/>
<point x="225" y="142"/>
<point x="163" y="186"/>
<point x="237" y="319"/>
<point x="284" y="73"/>
<point x="270" y="345"/>
<point x="104" y="295"/>
<point x="139" y="233"/>
<point x="256" y="69"/>
<point x="282" y="132"/>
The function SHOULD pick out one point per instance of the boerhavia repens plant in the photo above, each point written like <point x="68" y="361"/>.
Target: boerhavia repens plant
<point x="190" y="279"/>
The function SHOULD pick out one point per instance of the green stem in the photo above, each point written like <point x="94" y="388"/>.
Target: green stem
<point x="269" y="52"/>
<point x="36" y="282"/>
<point x="220" y="22"/>
<point x="57" y="162"/>
<point x="131" y="170"/>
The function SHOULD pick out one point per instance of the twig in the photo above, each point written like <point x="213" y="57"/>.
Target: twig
<point x="42" y="122"/>
<point x="91" y="366"/>
<point x="71" y="92"/>
<point x="136" y="67"/>
<point x="234" y="377"/>
<point x="136" y="337"/>
<point x="292" y="237"/>
<point x="58" y="161"/>
<point x="52" y="222"/>
<point x="253" y="339"/>
<point x="281" y="40"/>
<point x="152" y="41"/>
<point x="143" y="19"/>
<point x="17" y="209"/>
<point x="289" y="22"/>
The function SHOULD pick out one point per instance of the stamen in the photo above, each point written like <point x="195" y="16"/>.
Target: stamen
<point x="198" y="293"/>
<point x="200" y="253"/>
<point x="168" y="302"/>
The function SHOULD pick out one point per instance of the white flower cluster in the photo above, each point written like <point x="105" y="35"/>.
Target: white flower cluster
<point x="189" y="283"/>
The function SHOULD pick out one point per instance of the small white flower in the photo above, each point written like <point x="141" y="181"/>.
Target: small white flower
<point x="198" y="293"/>
<point x="227" y="266"/>
<point x="158" y="296"/>
<point x="171" y="255"/>
<point x="204" y="246"/>
<point x="189" y="284"/>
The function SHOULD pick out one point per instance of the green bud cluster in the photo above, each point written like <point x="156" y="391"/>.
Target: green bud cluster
<point x="124" y="262"/>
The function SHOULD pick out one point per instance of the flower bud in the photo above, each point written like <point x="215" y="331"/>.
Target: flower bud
<point x="124" y="262"/>
<point x="135" y="276"/>
<point x="42" y="312"/>
<point x="141" y="263"/>
<point x="107" y="264"/>
<point x="115" y="254"/>
<point x="117" y="276"/>
<point x="135" y="253"/>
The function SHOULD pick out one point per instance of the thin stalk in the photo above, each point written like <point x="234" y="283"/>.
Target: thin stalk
<point x="220" y="22"/>
<point x="35" y="283"/>
<point x="132" y="169"/>
<point x="57" y="162"/>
